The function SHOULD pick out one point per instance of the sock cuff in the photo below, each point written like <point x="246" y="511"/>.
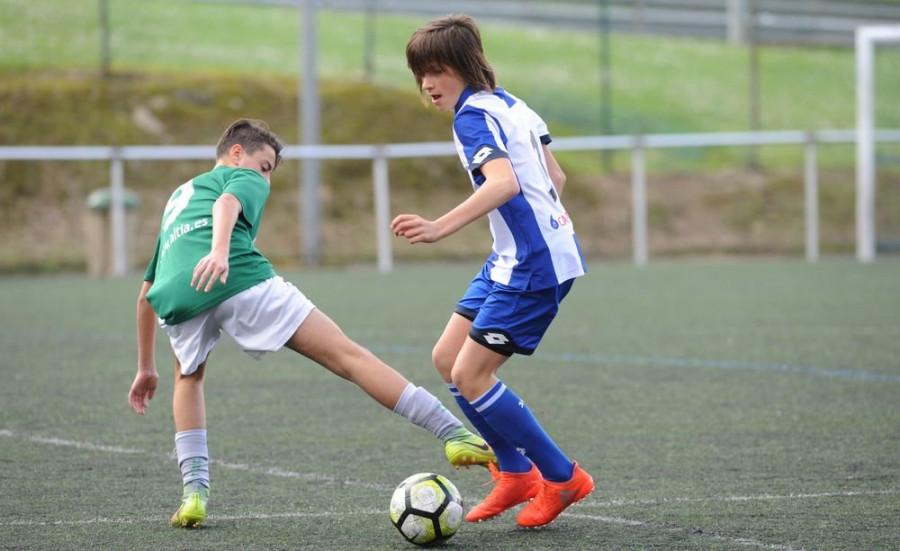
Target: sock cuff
<point x="193" y="433"/>
<point x="488" y="398"/>
<point x="404" y="399"/>
<point x="190" y="444"/>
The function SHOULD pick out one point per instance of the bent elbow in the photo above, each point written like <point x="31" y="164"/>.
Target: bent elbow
<point x="511" y="189"/>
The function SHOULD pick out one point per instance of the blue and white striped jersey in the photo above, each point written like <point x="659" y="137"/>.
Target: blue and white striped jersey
<point x="535" y="246"/>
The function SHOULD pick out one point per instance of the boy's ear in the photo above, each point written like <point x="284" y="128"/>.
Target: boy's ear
<point x="235" y="152"/>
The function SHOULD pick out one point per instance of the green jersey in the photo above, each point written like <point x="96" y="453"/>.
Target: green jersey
<point x="185" y="237"/>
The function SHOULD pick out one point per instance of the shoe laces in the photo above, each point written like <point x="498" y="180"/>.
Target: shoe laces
<point x="495" y="474"/>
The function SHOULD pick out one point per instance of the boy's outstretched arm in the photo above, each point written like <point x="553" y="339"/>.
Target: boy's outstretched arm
<point x="144" y="385"/>
<point x="500" y="185"/>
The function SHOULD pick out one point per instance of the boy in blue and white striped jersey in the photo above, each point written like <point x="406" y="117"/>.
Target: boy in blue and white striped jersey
<point x="535" y="258"/>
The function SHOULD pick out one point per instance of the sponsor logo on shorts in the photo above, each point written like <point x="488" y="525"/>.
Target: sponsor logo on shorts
<point x="496" y="338"/>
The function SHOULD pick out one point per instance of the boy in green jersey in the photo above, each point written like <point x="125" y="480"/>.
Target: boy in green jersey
<point x="206" y="276"/>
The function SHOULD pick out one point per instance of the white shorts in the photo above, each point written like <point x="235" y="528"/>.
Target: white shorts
<point x="261" y="319"/>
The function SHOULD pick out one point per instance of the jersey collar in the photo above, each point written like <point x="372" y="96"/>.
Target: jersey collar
<point x="462" y="98"/>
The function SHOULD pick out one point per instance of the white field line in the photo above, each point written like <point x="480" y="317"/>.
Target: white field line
<point x="272" y="471"/>
<point x="351" y="482"/>
<point x="749" y="542"/>
<point x="212" y="517"/>
<point x="293" y="515"/>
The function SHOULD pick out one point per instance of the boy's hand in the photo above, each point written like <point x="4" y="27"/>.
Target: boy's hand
<point x="415" y="228"/>
<point x="142" y="390"/>
<point x="210" y="268"/>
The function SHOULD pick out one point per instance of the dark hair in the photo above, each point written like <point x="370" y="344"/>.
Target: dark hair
<point x="253" y="135"/>
<point x="454" y="43"/>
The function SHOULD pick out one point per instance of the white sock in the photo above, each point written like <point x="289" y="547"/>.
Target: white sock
<point x="424" y="410"/>
<point x="193" y="456"/>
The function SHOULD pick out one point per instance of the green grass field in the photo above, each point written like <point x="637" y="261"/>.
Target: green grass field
<point x="658" y="84"/>
<point x="720" y="405"/>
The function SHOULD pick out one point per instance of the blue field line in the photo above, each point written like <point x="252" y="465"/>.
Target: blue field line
<point x="626" y="359"/>
<point x="727" y="364"/>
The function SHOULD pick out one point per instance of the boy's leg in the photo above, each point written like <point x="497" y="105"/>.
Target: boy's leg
<point x="188" y="399"/>
<point x="321" y="340"/>
<point x="509" y="416"/>
<point x="189" y="409"/>
<point x="444" y="356"/>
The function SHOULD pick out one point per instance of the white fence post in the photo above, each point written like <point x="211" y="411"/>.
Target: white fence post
<point x="117" y="213"/>
<point x="811" y="198"/>
<point x="865" y="172"/>
<point x="639" y="201"/>
<point x="382" y="211"/>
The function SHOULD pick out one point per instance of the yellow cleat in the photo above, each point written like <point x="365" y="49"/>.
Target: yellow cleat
<point x="469" y="450"/>
<point x="192" y="512"/>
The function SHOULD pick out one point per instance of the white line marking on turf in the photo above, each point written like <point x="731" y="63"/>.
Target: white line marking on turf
<point x="270" y="516"/>
<point x="328" y="479"/>
<point x="641" y="524"/>
<point x="211" y="517"/>
<point x="272" y="471"/>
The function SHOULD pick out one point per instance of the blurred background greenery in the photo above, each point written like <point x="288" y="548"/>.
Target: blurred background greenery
<point x="178" y="71"/>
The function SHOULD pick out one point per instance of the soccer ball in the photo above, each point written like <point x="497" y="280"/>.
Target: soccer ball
<point x="426" y="508"/>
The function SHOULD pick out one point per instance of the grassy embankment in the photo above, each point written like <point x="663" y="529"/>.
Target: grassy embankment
<point x="171" y="84"/>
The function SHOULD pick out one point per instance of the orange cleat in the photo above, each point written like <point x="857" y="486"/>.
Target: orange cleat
<point x="554" y="497"/>
<point x="511" y="490"/>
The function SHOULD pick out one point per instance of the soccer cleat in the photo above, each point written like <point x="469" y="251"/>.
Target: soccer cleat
<point x="192" y="512"/>
<point x="554" y="497"/>
<point x="511" y="490"/>
<point x="469" y="450"/>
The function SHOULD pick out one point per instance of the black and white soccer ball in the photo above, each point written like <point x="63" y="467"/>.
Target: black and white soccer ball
<point x="426" y="508"/>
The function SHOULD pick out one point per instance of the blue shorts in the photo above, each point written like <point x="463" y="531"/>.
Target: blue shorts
<point x="507" y="320"/>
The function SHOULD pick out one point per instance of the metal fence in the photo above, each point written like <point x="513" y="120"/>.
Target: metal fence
<point x="801" y="22"/>
<point x="380" y="155"/>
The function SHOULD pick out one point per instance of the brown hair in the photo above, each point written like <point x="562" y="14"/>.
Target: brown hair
<point x="253" y="135"/>
<point x="454" y="43"/>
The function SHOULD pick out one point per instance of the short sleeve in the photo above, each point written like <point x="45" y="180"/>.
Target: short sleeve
<point x="480" y="136"/>
<point x="252" y="190"/>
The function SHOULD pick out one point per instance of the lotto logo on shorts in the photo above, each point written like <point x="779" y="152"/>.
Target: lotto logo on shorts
<point x="496" y="338"/>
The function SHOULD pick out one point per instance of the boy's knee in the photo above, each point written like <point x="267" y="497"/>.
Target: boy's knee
<point x="463" y="383"/>
<point x="443" y="361"/>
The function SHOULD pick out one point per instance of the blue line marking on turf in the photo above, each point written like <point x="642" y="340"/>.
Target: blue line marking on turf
<point x="687" y="362"/>
<point x="726" y="364"/>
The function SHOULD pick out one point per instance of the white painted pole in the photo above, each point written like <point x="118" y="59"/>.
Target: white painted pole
<point x="736" y="18"/>
<point x="865" y="170"/>
<point x="866" y="37"/>
<point x="117" y="214"/>
<point x="639" y="202"/>
<point x="382" y="212"/>
<point x="811" y="199"/>
<point x="309" y="134"/>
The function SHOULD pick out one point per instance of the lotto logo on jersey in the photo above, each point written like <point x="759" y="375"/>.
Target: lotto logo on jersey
<point x="482" y="155"/>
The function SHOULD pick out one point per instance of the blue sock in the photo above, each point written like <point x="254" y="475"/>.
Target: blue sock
<point x="510" y="417"/>
<point x="508" y="457"/>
